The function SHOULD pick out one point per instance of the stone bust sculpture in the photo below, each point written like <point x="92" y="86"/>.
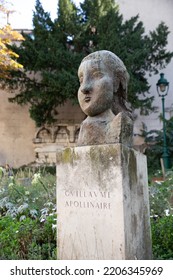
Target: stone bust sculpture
<point x="102" y="97"/>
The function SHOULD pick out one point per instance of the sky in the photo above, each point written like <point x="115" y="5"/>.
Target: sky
<point x="22" y="17"/>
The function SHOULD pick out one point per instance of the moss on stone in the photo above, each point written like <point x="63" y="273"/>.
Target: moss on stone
<point x="68" y="155"/>
<point x="103" y="155"/>
<point x="132" y="167"/>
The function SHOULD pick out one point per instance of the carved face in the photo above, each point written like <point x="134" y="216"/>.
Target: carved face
<point x="95" y="93"/>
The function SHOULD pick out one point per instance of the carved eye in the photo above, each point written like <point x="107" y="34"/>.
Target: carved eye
<point x="81" y="79"/>
<point x="97" y="75"/>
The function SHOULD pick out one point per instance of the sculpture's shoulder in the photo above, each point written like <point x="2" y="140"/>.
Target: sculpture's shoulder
<point x="121" y="129"/>
<point x="118" y="129"/>
<point x="92" y="132"/>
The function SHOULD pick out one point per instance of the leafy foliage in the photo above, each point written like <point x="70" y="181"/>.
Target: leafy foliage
<point x="161" y="195"/>
<point x="53" y="52"/>
<point x="27" y="239"/>
<point x="161" y="208"/>
<point x="8" y="58"/>
<point x="28" y="216"/>
<point x="125" y="39"/>
<point x="162" y="238"/>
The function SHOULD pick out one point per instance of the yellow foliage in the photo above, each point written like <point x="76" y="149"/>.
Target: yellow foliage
<point x="8" y="58"/>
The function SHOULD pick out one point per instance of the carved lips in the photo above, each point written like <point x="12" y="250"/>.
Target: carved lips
<point x="87" y="99"/>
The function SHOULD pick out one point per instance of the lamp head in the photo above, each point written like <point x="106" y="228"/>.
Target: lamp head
<point x="162" y="86"/>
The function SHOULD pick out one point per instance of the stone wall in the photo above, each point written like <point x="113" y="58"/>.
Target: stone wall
<point x="16" y="133"/>
<point x="22" y="143"/>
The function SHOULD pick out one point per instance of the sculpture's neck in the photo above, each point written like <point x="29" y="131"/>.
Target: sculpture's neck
<point x="106" y="115"/>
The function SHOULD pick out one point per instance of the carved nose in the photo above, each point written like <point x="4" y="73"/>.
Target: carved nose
<point x="86" y="88"/>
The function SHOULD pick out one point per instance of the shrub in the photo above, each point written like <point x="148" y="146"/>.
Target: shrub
<point x="28" y="215"/>
<point x="161" y="208"/>
<point x="162" y="238"/>
<point x="28" y="239"/>
<point x="161" y="194"/>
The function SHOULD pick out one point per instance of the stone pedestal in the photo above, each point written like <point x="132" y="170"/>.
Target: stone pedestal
<point x="102" y="200"/>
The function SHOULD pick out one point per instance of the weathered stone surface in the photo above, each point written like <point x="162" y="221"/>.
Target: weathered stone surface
<point x="102" y="199"/>
<point x="102" y="96"/>
<point x="98" y="130"/>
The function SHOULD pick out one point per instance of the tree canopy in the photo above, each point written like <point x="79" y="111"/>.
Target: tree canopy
<point x="52" y="54"/>
<point x="8" y="58"/>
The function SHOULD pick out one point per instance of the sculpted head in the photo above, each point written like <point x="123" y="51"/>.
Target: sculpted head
<point x="103" y="83"/>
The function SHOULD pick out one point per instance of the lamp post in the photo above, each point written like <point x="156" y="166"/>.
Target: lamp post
<point x="162" y="89"/>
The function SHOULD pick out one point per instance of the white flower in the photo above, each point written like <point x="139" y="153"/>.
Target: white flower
<point x="53" y="226"/>
<point x="34" y="213"/>
<point x="167" y="212"/>
<point x="44" y="211"/>
<point x="22" y="207"/>
<point x="36" y="178"/>
<point x="23" y="217"/>
<point x="158" y="182"/>
<point x="48" y="203"/>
